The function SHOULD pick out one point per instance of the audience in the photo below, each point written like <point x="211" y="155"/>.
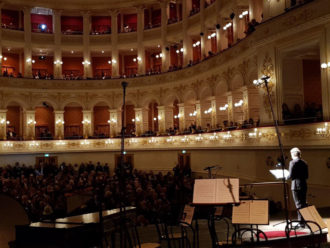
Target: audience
<point x="44" y="189"/>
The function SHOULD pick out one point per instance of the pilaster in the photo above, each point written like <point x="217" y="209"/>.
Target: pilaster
<point x="182" y="117"/>
<point x="87" y="123"/>
<point x="87" y="53"/>
<point x="115" y="122"/>
<point x="29" y="124"/>
<point x="141" y="50"/>
<point x="59" y="124"/>
<point x="57" y="42"/>
<point x="141" y="121"/>
<point x="114" y="43"/>
<point x="27" y="43"/>
<point x="3" y="124"/>
<point x="164" y="15"/>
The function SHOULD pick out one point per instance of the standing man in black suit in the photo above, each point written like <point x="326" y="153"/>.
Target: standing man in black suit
<point x="298" y="173"/>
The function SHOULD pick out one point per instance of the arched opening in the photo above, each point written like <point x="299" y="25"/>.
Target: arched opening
<point x="45" y="119"/>
<point x="101" y="125"/>
<point x="73" y="117"/>
<point x="14" y="121"/>
<point x="153" y="117"/>
<point x="301" y="85"/>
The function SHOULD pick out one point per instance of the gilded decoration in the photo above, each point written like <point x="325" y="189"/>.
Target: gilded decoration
<point x="243" y="69"/>
<point x="228" y="76"/>
<point x="268" y="70"/>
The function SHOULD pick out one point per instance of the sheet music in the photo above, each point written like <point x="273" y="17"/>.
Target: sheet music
<point x="227" y="190"/>
<point x="251" y="212"/>
<point x="204" y="191"/>
<point x="188" y="214"/>
<point x="310" y="213"/>
<point x="278" y="173"/>
<point x="241" y="213"/>
<point x="259" y="212"/>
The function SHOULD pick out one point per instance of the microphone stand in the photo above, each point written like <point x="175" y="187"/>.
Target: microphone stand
<point x="285" y="191"/>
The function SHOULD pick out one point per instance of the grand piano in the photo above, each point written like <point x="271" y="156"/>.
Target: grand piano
<point x="81" y="231"/>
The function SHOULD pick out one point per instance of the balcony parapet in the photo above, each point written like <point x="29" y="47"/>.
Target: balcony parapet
<point x="315" y="135"/>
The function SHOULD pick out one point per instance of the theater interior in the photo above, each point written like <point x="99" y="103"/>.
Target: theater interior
<point x="125" y="106"/>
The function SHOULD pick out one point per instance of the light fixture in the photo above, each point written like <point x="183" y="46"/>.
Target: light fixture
<point x="86" y="62"/>
<point x="177" y="116"/>
<point x="109" y="62"/>
<point x="322" y="130"/>
<point x="193" y="114"/>
<point x="137" y="119"/>
<point x="114" y="61"/>
<point x="86" y="122"/>
<point x="72" y="51"/>
<point x="196" y="44"/>
<point x="102" y="51"/>
<point x="132" y="49"/>
<point x="30" y="122"/>
<point x="113" y="120"/>
<point x="43" y="27"/>
<point x="239" y="103"/>
<point x="228" y="25"/>
<point x="244" y="13"/>
<point x="325" y="65"/>
<point x="260" y="81"/>
<point x="208" y="111"/>
<point x="58" y="62"/>
<point x="5" y="58"/>
<point x="0" y="56"/>
<point x="59" y="121"/>
<point x="223" y="108"/>
<point x="212" y="36"/>
<point x="155" y="118"/>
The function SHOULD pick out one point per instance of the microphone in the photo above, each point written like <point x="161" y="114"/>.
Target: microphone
<point x="212" y="167"/>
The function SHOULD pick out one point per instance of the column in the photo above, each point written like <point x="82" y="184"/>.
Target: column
<point x="223" y="35"/>
<point x="29" y="124"/>
<point x="198" y="113"/>
<point x="115" y="122"/>
<point x="214" y="113"/>
<point x="182" y="119"/>
<point x="3" y="124"/>
<point x="141" y="121"/>
<point x="87" y="123"/>
<point x="161" y="119"/>
<point x="230" y="110"/>
<point x="141" y="51"/>
<point x="236" y="26"/>
<point x="204" y="51"/>
<point x="187" y="42"/>
<point x="166" y="55"/>
<point x="246" y="109"/>
<point x="59" y="124"/>
<point x="114" y="43"/>
<point x="255" y="10"/>
<point x="218" y="22"/>
<point x="87" y="53"/>
<point x="57" y="42"/>
<point x="272" y="8"/>
<point x="27" y="43"/>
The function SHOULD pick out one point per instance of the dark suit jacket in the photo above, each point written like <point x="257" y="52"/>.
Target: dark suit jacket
<point x="298" y="173"/>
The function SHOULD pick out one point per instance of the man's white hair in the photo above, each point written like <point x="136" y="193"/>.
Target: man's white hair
<point x="295" y="152"/>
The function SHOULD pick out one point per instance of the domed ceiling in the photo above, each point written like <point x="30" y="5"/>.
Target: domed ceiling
<point x="80" y="4"/>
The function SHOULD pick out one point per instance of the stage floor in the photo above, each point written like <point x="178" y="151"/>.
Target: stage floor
<point x="274" y="231"/>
